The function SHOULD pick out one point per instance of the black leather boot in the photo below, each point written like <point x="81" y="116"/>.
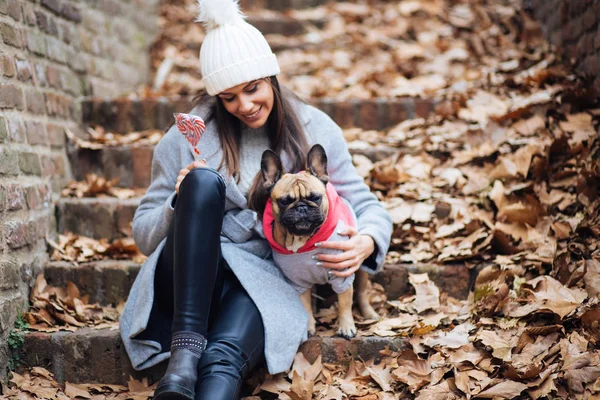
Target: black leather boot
<point x="180" y="379"/>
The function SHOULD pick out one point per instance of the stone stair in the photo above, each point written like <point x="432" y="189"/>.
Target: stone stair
<point x="97" y="355"/>
<point x="130" y="163"/>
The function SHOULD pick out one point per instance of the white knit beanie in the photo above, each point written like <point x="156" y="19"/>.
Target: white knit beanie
<point x="233" y="51"/>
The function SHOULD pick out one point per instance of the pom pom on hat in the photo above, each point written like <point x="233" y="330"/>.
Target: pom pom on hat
<point x="215" y="13"/>
<point x="233" y="51"/>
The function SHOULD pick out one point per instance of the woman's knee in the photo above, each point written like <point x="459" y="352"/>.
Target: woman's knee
<point x="232" y="356"/>
<point x="203" y="185"/>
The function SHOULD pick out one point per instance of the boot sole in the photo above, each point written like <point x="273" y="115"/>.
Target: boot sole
<point x="173" y="391"/>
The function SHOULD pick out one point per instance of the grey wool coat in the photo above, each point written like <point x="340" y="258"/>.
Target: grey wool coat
<point x="242" y="240"/>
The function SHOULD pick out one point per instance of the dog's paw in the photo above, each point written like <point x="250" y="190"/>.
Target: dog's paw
<point x="312" y="330"/>
<point x="347" y="330"/>
<point x="368" y="312"/>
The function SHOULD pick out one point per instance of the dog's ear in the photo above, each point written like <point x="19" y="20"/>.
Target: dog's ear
<point x="271" y="169"/>
<point x="317" y="163"/>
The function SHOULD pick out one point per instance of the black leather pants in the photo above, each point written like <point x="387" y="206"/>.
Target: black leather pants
<point x="195" y="286"/>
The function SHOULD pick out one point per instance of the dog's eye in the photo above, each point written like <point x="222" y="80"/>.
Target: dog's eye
<point x="315" y="198"/>
<point x="284" y="202"/>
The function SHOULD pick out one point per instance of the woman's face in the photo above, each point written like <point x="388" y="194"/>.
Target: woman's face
<point x="251" y="102"/>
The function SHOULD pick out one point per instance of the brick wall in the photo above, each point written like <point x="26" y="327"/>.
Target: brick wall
<point x="52" y="53"/>
<point x="573" y="27"/>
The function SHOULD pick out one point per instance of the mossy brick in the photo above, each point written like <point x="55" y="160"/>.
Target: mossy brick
<point x="17" y="130"/>
<point x="36" y="43"/>
<point x="16" y="234"/>
<point x="70" y="12"/>
<point x="53" y="76"/>
<point x="32" y="197"/>
<point x="9" y="273"/>
<point x="10" y="34"/>
<point x="29" y="163"/>
<point x="40" y="75"/>
<point x="71" y="83"/>
<point x="36" y="132"/>
<point x="67" y="33"/>
<point x="11" y="96"/>
<point x="3" y="130"/>
<point x="77" y="64"/>
<point x="28" y="13"/>
<point x="52" y="5"/>
<point x="11" y="8"/>
<point x="10" y="306"/>
<point x="46" y="22"/>
<point x="47" y="166"/>
<point x="93" y="21"/>
<point x="59" y="164"/>
<point x="56" y="50"/>
<point x="56" y="135"/>
<point x="9" y="161"/>
<point x="7" y="65"/>
<point x="24" y="70"/>
<point x="15" y="197"/>
<point x="35" y="101"/>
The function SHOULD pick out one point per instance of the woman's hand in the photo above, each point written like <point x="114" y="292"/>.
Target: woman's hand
<point x="354" y="251"/>
<point x="186" y="170"/>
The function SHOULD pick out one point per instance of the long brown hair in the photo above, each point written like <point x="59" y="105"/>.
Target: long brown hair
<point x="284" y="130"/>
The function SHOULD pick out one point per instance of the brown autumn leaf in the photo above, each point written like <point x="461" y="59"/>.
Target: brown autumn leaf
<point x="381" y="374"/>
<point x="506" y="389"/>
<point x="445" y="390"/>
<point x="412" y="371"/>
<point x="427" y="294"/>
<point x="553" y="295"/>
<point x="74" y="391"/>
<point x="301" y="389"/>
<point x="500" y="344"/>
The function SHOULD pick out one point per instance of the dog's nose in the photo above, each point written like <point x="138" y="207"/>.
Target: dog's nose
<point x="303" y="208"/>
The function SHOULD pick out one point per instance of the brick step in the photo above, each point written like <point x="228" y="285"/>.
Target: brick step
<point x="124" y="115"/>
<point x="131" y="163"/>
<point x="89" y="355"/>
<point x="280" y="5"/>
<point x="109" y="282"/>
<point x="102" y="217"/>
<point x="282" y="24"/>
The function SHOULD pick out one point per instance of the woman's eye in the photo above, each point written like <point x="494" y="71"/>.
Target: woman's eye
<point x="253" y="89"/>
<point x="230" y="99"/>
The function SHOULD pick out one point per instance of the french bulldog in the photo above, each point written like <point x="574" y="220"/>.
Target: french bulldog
<point x="303" y="209"/>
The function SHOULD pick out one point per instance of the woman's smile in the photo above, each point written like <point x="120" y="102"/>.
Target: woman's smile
<point x="254" y="115"/>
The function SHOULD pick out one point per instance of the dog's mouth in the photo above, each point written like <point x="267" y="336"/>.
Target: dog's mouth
<point x="303" y="228"/>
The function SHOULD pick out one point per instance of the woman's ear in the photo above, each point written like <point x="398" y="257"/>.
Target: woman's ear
<point x="271" y="169"/>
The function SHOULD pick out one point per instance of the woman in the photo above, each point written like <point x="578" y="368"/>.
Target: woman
<point x="209" y="295"/>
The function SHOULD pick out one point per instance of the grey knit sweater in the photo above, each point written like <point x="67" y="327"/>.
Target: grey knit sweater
<point x="253" y="143"/>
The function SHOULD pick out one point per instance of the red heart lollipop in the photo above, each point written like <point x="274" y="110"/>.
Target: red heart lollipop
<point x="192" y="127"/>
